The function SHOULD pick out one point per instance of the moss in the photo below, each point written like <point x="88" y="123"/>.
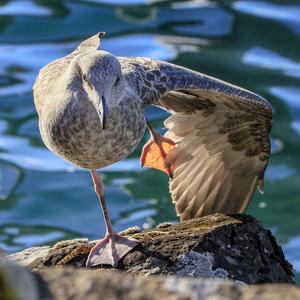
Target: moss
<point x="5" y="291"/>
<point x="76" y="252"/>
<point x="81" y="252"/>
<point x="190" y="227"/>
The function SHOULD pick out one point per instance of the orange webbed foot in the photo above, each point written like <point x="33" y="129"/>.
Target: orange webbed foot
<point x="154" y="154"/>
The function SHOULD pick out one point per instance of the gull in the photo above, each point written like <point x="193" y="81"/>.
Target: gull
<point x="91" y="107"/>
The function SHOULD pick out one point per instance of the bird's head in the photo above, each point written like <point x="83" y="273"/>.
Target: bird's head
<point x="100" y="74"/>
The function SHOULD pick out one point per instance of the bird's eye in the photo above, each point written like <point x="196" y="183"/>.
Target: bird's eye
<point x="117" y="80"/>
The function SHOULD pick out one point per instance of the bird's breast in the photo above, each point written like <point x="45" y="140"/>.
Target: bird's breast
<point x="77" y="135"/>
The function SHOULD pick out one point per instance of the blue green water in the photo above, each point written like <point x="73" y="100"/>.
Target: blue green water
<point x="254" y="44"/>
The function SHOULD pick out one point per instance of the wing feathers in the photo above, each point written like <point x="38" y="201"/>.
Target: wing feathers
<point x="217" y="156"/>
<point x="221" y="133"/>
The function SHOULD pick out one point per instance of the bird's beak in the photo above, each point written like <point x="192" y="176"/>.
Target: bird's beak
<point x="104" y="112"/>
<point x="101" y="108"/>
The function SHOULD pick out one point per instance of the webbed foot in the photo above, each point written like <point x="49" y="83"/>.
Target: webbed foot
<point x="110" y="250"/>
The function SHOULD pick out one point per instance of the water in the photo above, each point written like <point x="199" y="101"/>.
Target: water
<point x="254" y="44"/>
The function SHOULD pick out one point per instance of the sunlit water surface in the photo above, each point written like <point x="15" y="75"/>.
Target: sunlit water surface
<point x="254" y="44"/>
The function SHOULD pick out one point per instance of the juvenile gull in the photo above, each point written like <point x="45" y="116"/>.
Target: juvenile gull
<point x="91" y="108"/>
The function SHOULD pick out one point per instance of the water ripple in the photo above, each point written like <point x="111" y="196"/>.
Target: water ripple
<point x="24" y="8"/>
<point x="38" y="239"/>
<point x="279" y="172"/>
<point x="290" y="95"/>
<point x="291" y="250"/>
<point x="287" y="14"/>
<point x="268" y="59"/>
<point x="9" y="177"/>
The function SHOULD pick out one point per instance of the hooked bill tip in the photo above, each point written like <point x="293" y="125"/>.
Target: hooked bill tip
<point x="101" y="34"/>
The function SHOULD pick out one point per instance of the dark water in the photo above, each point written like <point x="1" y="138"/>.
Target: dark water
<point x="254" y="44"/>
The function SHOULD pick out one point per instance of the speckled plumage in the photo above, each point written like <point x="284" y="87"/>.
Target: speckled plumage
<point x="69" y="123"/>
<point x="221" y="130"/>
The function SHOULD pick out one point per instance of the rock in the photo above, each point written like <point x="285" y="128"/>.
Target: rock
<point x="90" y="285"/>
<point x="217" y="246"/>
<point x="77" y="284"/>
<point x="17" y="283"/>
<point x="29" y="257"/>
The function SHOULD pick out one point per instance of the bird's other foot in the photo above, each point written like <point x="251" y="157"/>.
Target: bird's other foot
<point x="110" y="250"/>
<point x="154" y="154"/>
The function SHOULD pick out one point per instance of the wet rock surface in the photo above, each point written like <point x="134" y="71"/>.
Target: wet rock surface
<point x="217" y="246"/>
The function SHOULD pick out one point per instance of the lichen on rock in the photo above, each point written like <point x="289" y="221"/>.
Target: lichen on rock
<point x="196" y="264"/>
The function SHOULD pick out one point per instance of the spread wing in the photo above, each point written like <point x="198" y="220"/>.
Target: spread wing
<point x="222" y="140"/>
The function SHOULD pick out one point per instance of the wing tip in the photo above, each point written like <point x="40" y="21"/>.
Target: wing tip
<point x="101" y="34"/>
<point x="260" y="186"/>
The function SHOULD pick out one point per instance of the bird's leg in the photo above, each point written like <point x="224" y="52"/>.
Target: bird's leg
<point x="154" y="154"/>
<point x="114" y="246"/>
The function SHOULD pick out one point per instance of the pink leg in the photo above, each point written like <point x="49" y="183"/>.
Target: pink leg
<point x="114" y="246"/>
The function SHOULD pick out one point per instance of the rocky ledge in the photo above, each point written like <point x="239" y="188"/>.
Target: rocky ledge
<point x="229" y="251"/>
